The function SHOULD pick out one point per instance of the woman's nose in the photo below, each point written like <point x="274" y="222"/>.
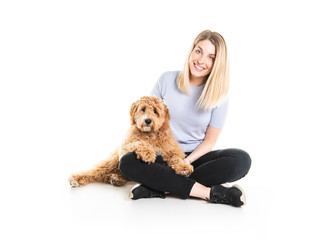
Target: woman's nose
<point x="200" y="59"/>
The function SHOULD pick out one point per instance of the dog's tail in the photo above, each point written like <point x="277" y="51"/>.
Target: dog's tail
<point x="106" y="171"/>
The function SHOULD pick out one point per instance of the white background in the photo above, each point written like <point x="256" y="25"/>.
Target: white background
<point x="69" y="71"/>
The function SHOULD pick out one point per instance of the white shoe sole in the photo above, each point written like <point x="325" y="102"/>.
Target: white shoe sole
<point x="130" y="193"/>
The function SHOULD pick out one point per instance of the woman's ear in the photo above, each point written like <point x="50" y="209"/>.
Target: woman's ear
<point x="133" y="110"/>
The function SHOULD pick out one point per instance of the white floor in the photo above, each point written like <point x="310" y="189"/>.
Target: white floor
<point x="46" y="207"/>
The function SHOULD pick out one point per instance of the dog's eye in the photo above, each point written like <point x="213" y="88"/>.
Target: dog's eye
<point x="155" y="111"/>
<point x="143" y="109"/>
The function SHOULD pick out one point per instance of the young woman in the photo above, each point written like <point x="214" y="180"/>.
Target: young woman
<point x="197" y="101"/>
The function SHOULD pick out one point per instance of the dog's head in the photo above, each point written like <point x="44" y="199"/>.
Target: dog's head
<point x="149" y="114"/>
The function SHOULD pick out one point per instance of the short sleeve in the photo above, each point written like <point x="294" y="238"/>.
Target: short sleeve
<point x="218" y="115"/>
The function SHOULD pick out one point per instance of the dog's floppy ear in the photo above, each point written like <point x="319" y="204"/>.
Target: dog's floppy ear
<point x="165" y="125"/>
<point x="163" y="106"/>
<point x="133" y="110"/>
<point x="167" y="115"/>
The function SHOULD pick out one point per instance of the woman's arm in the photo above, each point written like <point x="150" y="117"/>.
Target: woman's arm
<point x="211" y="137"/>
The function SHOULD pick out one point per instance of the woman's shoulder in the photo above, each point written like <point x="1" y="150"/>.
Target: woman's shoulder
<point x="168" y="78"/>
<point x="170" y="75"/>
<point x="223" y="104"/>
<point x="166" y="82"/>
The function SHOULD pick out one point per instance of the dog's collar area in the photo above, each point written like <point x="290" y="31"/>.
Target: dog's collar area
<point x="148" y="134"/>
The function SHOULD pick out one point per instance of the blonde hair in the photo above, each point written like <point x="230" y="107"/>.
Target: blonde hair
<point x="217" y="83"/>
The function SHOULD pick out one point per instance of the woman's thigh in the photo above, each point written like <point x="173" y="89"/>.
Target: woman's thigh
<point x="220" y="166"/>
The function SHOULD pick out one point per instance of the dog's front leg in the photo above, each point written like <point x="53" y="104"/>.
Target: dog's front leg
<point x="143" y="150"/>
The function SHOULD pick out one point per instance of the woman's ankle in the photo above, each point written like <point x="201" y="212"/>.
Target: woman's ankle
<point x="200" y="191"/>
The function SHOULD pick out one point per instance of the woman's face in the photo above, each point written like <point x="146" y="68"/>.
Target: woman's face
<point x="202" y="59"/>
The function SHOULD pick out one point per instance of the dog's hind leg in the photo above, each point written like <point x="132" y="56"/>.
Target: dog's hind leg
<point x="106" y="172"/>
<point x="117" y="179"/>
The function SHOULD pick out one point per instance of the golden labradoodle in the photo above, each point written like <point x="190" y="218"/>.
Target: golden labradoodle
<point x="148" y="136"/>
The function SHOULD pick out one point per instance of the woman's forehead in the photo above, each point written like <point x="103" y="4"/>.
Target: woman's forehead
<point x="206" y="46"/>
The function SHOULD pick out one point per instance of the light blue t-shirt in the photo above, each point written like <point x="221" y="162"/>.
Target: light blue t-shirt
<point x="188" y="124"/>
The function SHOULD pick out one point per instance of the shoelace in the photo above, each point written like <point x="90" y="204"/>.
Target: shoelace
<point x="154" y="194"/>
<point x="218" y="199"/>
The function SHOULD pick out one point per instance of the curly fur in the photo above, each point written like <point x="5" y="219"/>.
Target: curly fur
<point x="148" y="136"/>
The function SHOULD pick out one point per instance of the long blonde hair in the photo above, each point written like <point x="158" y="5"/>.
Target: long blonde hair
<point x="217" y="83"/>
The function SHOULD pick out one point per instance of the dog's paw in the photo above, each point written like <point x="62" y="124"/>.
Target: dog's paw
<point x="73" y="182"/>
<point x="146" y="155"/>
<point x="117" y="181"/>
<point x="184" y="170"/>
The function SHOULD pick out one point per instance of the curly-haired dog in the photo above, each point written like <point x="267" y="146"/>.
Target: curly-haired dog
<point x="148" y="136"/>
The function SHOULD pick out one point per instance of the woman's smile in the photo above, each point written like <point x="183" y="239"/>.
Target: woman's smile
<point x="198" y="68"/>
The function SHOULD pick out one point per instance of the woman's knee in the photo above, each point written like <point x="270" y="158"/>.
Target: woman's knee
<point x="244" y="160"/>
<point x="240" y="159"/>
<point x="126" y="163"/>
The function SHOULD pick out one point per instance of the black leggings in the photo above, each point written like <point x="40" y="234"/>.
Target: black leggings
<point x="213" y="168"/>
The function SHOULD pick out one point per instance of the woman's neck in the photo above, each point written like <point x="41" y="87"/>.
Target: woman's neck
<point x="197" y="81"/>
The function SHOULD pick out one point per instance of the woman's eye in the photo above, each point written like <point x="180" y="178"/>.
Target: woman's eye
<point x="198" y="51"/>
<point x="143" y="109"/>
<point x="211" y="58"/>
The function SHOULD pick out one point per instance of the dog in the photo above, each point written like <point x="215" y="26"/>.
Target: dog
<point x="148" y="136"/>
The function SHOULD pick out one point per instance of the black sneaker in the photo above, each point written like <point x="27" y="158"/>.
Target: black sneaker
<point x="234" y="195"/>
<point x="140" y="191"/>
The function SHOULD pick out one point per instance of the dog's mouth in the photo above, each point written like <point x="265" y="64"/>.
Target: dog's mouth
<point x="146" y="129"/>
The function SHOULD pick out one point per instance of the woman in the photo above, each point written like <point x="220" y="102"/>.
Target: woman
<point x="197" y="101"/>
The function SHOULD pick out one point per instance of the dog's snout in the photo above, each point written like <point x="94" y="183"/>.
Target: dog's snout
<point x="148" y="121"/>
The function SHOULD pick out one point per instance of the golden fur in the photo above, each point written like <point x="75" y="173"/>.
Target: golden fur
<point x="145" y="139"/>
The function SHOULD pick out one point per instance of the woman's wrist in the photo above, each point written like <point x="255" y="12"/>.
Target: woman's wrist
<point x="189" y="160"/>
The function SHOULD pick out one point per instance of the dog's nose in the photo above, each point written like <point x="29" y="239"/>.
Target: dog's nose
<point x="148" y="121"/>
